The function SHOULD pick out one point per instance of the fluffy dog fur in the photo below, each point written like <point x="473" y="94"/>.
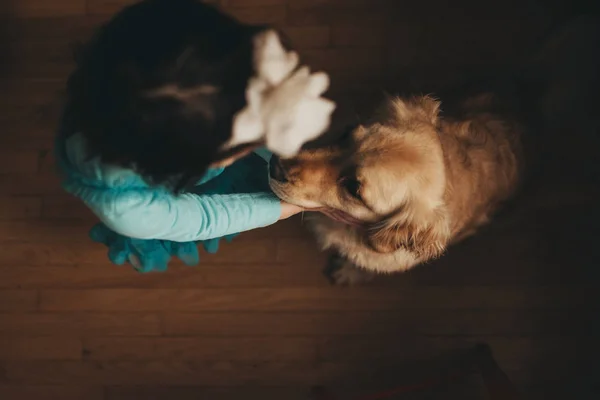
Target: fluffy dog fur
<point x="421" y="175"/>
<point x="413" y="181"/>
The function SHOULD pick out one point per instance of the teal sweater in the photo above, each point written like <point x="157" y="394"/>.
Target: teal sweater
<point x="225" y="202"/>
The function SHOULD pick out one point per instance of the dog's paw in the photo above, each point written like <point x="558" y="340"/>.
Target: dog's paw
<point x="350" y="275"/>
<point x="341" y="272"/>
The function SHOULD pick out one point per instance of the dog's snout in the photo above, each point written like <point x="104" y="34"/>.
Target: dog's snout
<point x="276" y="170"/>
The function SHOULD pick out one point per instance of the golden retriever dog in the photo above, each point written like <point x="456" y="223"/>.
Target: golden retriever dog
<point x="396" y="191"/>
<point x="422" y="174"/>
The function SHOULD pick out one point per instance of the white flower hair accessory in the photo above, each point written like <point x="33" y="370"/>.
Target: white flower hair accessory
<point x="285" y="108"/>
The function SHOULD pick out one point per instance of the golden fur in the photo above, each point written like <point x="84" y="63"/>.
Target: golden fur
<point x="416" y="180"/>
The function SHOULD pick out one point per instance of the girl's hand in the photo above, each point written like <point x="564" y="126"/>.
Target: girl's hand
<point x="287" y="210"/>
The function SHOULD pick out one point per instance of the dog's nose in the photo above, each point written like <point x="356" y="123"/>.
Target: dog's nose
<point x="276" y="171"/>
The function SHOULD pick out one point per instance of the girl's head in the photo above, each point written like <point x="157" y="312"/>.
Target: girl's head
<point x="157" y="88"/>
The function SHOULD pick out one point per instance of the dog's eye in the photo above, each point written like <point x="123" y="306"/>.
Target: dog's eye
<point x="351" y="186"/>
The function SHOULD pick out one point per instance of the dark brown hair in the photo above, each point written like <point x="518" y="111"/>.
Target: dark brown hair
<point x="158" y="85"/>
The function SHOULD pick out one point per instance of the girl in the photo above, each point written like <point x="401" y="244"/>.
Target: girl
<point x="165" y="101"/>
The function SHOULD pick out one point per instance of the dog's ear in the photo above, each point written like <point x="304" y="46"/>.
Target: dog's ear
<point x="424" y="233"/>
<point x="430" y="107"/>
<point x="424" y="108"/>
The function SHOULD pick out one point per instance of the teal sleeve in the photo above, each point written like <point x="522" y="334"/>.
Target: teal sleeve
<point x="264" y="154"/>
<point x="187" y="217"/>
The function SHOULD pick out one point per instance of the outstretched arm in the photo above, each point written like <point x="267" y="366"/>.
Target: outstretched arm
<point x="187" y="217"/>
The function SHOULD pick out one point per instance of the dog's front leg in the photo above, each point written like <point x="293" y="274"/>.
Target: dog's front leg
<point x="341" y="272"/>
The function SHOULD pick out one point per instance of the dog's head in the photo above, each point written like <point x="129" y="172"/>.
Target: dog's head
<point x="388" y="175"/>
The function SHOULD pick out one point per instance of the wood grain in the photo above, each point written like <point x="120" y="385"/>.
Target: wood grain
<point x="51" y="392"/>
<point x="204" y="373"/>
<point x="29" y="184"/>
<point x="101" y="274"/>
<point x="201" y="348"/>
<point x="20" y="207"/>
<point x="42" y="8"/>
<point x="40" y="348"/>
<point x="400" y="323"/>
<point x="310" y="298"/>
<point x="307" y="37"/>
<point x="18" y="300"/>
<point x="107" y="7"/>
<point x="19" y="162"/>
<point x="98" y="324"/>
<point x="270" y="14"/>
<point x="202" y="392"/>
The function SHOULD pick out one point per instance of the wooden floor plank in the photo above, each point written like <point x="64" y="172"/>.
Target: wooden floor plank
<point x="49" y="28"/>
<point x="19" y="162"/>
<point x="40" y="348"/>
<point x="65" y="392"/>
<point x="56" y="66"/>
<point x="41" y="8"/>
<point x="219" y="373"/>
<point x="27" y="142"/>
<point x="29" y="184"/>
<point x="65" y="207"/>
<point x="508" y="350"/>
<point x="200" y="392"/>
<point x="19" y="207"/>
<point x="18" y="300"/>
<point x="65" y="268"/>
<point x="400" y="323"/>
<point x="332" y="299"/>
<point x="66" y="272"/>
<point x="75" y="324"/>
<point x="30" y="94"/>
<point x="107" y="7"/>
<point x="103" y="274"/>
<point x="512" y="351"/>
<point x="202" y="348"/>
<point x="62" y="253"/>
<point x="68" y="240"/>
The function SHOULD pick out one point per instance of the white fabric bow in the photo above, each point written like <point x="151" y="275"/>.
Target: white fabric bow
<point x="285" y="109"/>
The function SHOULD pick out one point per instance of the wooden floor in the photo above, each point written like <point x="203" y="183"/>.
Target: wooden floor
<point x="257" y="320"/>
